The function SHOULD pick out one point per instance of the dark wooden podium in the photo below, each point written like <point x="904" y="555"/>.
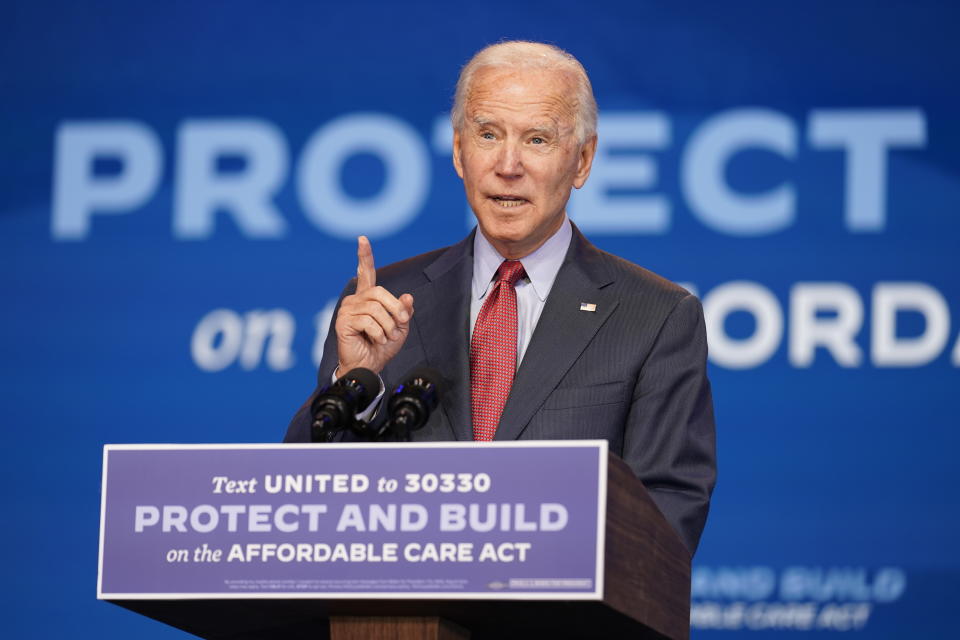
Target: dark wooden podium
<point x="646" y="594"/>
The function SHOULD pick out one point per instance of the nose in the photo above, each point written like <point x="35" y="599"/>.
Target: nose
<point x="509" y="161"/>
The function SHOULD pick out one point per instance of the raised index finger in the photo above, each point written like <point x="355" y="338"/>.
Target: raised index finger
<point x="366" y="272"/>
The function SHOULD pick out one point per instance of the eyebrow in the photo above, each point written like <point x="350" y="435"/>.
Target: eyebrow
<point x="482" y="121"/>
<point x="547" y="129"/>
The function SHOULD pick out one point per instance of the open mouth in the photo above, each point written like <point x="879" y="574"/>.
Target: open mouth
<point x="508" y="201"/>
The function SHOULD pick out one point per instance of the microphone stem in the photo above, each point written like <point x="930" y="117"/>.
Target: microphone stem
<point x="402" y="423"/>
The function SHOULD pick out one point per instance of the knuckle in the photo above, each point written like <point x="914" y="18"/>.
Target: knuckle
<point x="374" y="327"/>
<point x="373" y="308"/>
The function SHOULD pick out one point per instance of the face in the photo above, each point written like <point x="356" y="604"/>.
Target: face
<point x="519" y="156"/>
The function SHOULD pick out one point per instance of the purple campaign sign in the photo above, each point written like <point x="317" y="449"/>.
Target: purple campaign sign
<point x="440" y="520"/>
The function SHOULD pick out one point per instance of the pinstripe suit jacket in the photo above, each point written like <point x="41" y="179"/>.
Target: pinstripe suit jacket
<point x="633" y="372"/>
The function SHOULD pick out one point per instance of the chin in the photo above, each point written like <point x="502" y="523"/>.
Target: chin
<point x="506" y="233"/>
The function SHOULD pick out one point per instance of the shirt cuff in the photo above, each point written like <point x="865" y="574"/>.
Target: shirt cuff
<point x="371" y="411"/>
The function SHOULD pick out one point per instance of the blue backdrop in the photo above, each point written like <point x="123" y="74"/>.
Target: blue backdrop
<point x="182" y="183"/>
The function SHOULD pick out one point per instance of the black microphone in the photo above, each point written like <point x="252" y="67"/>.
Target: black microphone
<point x="336" y="406"/>
<point x="413" y="400"/>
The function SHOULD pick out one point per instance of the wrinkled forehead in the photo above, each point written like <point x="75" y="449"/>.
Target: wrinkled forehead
<point x="546" y="95"/>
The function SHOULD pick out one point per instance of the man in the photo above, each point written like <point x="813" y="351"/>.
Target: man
<point x="538" y="334"/>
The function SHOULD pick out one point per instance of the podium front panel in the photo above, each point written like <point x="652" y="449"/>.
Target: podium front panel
<point x="512" y="520"/>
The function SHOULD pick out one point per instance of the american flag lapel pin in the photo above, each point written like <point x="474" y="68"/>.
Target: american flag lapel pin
<point x="587" y="306"/>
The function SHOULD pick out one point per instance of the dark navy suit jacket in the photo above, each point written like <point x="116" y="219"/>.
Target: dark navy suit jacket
<point x="632" y="372"/>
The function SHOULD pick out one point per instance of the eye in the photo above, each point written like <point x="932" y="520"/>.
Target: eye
<point x="486" y="135"/>
<point x="537" y="140"/>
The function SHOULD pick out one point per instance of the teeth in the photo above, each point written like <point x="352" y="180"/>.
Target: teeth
<point x="509" y="202"/>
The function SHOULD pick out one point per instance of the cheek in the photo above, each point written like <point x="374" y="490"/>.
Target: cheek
<point x="474" y="164"/>
<point x="563" y="176"/>
<point x="549" y="180"/>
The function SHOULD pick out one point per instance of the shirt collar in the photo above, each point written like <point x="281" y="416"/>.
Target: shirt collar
<point x="541" y="266"/>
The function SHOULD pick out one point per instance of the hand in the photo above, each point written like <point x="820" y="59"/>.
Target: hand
<point x="372" y="324"/>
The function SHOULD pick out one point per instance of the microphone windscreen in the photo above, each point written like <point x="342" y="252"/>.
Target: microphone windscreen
<point x="422" y="387"/>
<point x="421" y="376"/>
<point x="369" y="385"/>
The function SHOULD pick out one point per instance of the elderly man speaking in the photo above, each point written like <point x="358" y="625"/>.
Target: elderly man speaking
<point x="538" y="334"/>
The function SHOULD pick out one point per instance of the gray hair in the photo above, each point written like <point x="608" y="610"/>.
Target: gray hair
<point x="521" y="54"/>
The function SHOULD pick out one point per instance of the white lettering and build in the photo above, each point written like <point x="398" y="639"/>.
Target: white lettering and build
<point x="621" y="195"/>
<point x="453" y="517"/>
<point x="835" y="598"/>
<point x="289" y="518"/>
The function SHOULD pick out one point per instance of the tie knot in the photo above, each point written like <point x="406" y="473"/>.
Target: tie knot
<point x="510" y="271"/>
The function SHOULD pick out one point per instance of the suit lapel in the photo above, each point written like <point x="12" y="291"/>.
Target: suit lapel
<point x="562" y="333"/>
<point x="442" y="312"/>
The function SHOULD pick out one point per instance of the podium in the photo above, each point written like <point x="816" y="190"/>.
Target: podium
<point x="639" y="586"/>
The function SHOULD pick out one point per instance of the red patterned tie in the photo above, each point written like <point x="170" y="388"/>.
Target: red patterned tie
<point x="493" y="351"/>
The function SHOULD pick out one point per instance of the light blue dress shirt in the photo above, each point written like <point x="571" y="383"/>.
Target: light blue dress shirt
<point x="541" y="266"/>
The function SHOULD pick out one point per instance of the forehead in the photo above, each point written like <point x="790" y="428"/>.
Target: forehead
<point x="499" y="93"/>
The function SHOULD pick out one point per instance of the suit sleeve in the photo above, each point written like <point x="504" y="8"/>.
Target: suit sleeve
<point x="299" y="427"/>
<point x="669" y="440"/>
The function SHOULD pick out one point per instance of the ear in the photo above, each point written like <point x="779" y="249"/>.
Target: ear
<point x="585" y="161"/>
<point x="457" y="165"/>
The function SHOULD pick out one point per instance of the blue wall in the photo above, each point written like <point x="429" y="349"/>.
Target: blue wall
<point x="795" y="163"/>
